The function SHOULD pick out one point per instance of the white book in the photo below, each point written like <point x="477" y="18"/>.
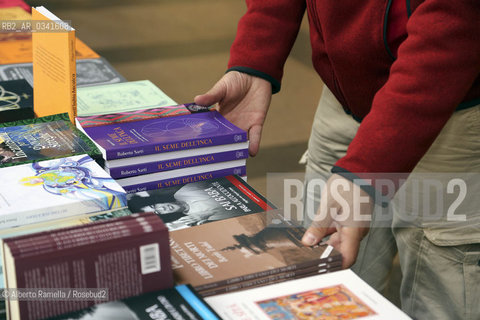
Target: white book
<point x="53" y="189"/>
<point x="332" y="296"/>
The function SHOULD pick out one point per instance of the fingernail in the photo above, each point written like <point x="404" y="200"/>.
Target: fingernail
<point x="309" y="239"/>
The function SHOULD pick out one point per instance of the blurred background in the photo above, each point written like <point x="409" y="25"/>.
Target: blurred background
<point x="183" y="47"/>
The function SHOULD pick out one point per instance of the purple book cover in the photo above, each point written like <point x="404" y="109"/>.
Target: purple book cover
<point x="241" y="171"/>
<point x="159" y="135"/>
<point x="157" y="166"/>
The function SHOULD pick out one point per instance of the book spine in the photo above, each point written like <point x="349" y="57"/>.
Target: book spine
<point x="132" y="150"/>
<point x="267" y="281"/>
<point x="313" y="265"/>
<point x="184" y="180"/>
<point x="185" y="162"/>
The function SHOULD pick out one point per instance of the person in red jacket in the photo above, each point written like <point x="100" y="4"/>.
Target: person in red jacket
<point x="402" y="95"/>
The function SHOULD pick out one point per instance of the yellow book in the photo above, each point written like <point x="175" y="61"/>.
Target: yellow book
<point x="54" y="72"/>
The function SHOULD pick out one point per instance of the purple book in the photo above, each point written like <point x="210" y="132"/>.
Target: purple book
<point x="183" y="179"/>
<point x="161" y="135"/>
<point x="181" y="160"/>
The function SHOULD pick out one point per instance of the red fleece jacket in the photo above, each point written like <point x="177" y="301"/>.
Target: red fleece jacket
<point x="403" y="103"/>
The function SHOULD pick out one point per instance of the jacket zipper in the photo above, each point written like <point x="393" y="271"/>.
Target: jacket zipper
<point x="342" y="99"/>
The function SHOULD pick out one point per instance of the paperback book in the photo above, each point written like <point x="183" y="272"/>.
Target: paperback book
<point x="55" y="189"/>
<point x="137" y="115"/>
<point x="120" y="97"/>
<point x="16" y="100"/>
<point x="334" y="296"/>
<point x="54" y="72"/>
<point x="200" y="202"/>
<point x="134" y="166"/>
<point x="49" y="137"/>
<point x="124" y="257"/>
<point x="89" y="72"/>
<point x="59" y="223"/>
<point x="255" y="245"/>
<point x="179" y="302"/>
<point x="160" y="180"/>
<point x="161" y="135"/>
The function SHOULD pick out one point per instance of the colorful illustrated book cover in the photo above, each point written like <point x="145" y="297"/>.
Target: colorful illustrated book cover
<point x="89" y="72"/>
<point x="331" y="296"/>
<point x="179" y="302"/>
<point x="159" y="135"/>
<point x="331" y="303"/>
<point x="16" y="100"/>
<point x="205" y="254"/>
<point x="56" y="188"/>
<point x="42" y="139"/>
<point x="120" y="97"/>
<point x="138" y="115"/>
<point x="200" y="202"/>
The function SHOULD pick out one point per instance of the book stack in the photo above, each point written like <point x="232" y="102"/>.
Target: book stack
<point x="135" y="247"/>
<point x="258" y="249"/>
<point x="163" y="152"/>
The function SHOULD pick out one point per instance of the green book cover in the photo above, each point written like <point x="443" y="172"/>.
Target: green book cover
<point x="120" y="97"/>
<point x="44" y="138"/>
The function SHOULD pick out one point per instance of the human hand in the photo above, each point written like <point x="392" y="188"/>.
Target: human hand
<point x="344" y="213"/>
<point x="244" y="100"/>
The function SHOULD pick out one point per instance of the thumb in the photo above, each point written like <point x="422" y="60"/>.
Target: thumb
<point x="214" y="95"/>
<point x="314" y="235"/>
<point x="349" y="245"/>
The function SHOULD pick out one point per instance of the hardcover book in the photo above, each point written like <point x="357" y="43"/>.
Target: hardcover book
<point x="50" y="137"/>
<point x="334" y="296"/>
<point x="160" y="135"/>
<point x="124" y="256"/>
<point x="120" y="97"/>
<point x="200" y="202"/>
<point x="207" y="257"/>
<point x="137" y="115"/>
<point x="56" y="189"/>
<point x="16" y="100"/>
<point x="89" y="72"/>
<point x="54" y="75"/>
<point x="179" y="302"/>
<point x="181" y="176"/>
<point x="142" y="165"/>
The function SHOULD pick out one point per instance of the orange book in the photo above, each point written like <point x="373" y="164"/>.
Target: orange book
<point x="54" y="72"/>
